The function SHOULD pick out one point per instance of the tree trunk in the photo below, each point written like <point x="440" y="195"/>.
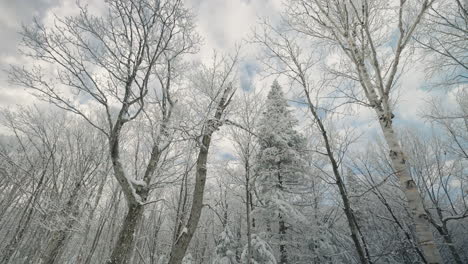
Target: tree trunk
<point x="182" y="241"/>
<point x="352" y="222"/>
<point x="247" y="212"/>
<point x="281" y="224"/>
<point x="282" y="247"/>
<point x="421" y="221"/>
<point x="123" y="248"/>
<point x="449" y="242"/>
<point x="179" y="248"/>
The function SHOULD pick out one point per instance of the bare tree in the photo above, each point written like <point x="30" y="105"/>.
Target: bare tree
<point x="440" y="177"/>
<point x="217" y="84"/>
<point x="112" y="61"/>
<point x="443" y="38"/>
<point x="77" y="157"/>
<point x="245" y="144"/>
<point x="356" y="28"/>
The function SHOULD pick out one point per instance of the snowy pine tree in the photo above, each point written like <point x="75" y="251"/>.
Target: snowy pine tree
<point x="279" y="165"/>
<point x="225" y="248"/>
<point x="262" y="253"/>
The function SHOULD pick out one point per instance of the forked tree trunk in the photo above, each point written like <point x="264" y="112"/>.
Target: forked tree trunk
<point x="179" y="248"/>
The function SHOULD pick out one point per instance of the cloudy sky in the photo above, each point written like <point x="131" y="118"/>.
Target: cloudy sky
<point x="222" y="24"/>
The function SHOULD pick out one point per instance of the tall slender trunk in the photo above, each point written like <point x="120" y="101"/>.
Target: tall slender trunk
<point x="124" y="246"/>
<point x="422" y="225"/>
<point x="179" y="248"/>
<point x="247" y="213"/>
<point x="182" y="241"/>
<point x="282" y="247"/>
<point x="281" y="224"/>
<point x="339" y="182"/>
<point x="91" y="217"/>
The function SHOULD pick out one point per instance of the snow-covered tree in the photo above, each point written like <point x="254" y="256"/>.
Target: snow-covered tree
<point x="262" y="253"/>
<point x="225" y="248"/>
<point x="279" y="165"/>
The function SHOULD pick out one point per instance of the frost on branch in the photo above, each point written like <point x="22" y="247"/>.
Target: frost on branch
<point x="225" y="248"/>
<point x="262" y="253"/>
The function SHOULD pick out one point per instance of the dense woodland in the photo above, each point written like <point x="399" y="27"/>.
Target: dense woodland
<point x="137" y="151"/>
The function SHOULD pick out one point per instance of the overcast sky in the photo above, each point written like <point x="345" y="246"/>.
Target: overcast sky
<point x="222" y="24"/>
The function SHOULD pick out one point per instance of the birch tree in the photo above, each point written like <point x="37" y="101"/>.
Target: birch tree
<point x="357" y="29"/>
<point x="284" y="55"/>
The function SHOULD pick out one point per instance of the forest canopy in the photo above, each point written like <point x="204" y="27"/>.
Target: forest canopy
<point x="229" y="132"/>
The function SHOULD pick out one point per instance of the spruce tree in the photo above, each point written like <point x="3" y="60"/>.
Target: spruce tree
<point x="279" y="165"/>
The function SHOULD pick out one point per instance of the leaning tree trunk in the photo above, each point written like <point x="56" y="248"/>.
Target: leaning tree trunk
<point x="422" y="225"/>
<point x="352" y="222"/>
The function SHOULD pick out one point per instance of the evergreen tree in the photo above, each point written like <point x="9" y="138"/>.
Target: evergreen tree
<point x="279" y="165"/>
<point x="225" y="248"/>
<point x="261" y="252"/>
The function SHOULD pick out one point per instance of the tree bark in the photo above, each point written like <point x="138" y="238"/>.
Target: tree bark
<point x="449" y="242"/>
<point x="124" y="246"/>
<point x="183" y="240"/>
<point x="281" y="224"/>
<point x="282" y="247"/>
<point x="421" y="221"/>
<point x="247" y="212"/>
